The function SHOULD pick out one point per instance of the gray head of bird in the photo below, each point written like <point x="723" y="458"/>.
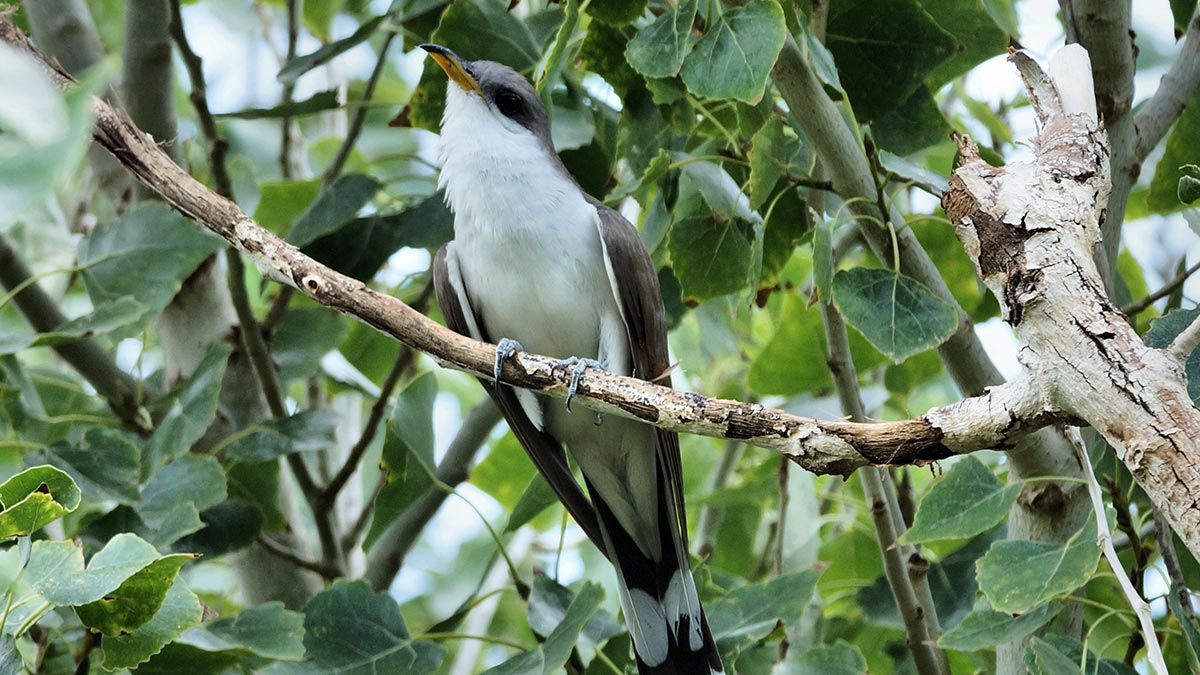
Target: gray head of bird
<point x="496" y="98"/>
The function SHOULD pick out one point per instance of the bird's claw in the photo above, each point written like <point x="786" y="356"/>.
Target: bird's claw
<point x="505" y="348"/>
<point x="577" y="366"/>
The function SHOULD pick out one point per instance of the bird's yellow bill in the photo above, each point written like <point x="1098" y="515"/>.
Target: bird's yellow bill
<point x="453" y="66"/>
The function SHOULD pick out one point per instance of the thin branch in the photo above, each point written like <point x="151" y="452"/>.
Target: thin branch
<point x="388" y="554"/>
<point x="1159" y="112"/>
<point x="1138" y="306"/>
<point x="279" y="550"/>
<point x="1185" y="343"/>
<point x="118" y="388"/>
<point x="217" y="145"/>
<point x="710" y="514"/>
<point x="149" y="74"/>
<point x="286" y="124"/>
<point x="904" y="567"/>
<point x="1166" y="548"/>
<point x="360" y="116"/>
<point x="1104" y="540"/>
<point x="250" y="333"/>
<point x="403" y="363"/>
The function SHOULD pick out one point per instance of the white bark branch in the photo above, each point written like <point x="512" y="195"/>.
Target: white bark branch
<point x="1030" y="228"/>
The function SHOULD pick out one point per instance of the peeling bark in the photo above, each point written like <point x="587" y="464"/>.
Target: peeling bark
<point x="1030" y="228"/>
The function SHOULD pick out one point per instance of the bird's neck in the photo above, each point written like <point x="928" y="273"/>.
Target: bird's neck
<point x="500" y="180"/>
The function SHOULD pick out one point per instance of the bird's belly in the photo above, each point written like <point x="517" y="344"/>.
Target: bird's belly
<point x="547" y="295"/>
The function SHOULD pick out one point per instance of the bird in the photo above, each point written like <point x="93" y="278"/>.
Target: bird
<point x="536" y="264"/>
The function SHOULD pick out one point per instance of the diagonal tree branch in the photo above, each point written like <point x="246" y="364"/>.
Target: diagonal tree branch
<point x="85" y="355"/>
<point x="1159" y="112"/>
<point x="995" y="419"/>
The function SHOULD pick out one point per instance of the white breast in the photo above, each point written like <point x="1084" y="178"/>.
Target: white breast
<point x="525" y="238"/>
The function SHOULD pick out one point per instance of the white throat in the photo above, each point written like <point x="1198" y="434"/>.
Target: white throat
<point x="496" y="174"/>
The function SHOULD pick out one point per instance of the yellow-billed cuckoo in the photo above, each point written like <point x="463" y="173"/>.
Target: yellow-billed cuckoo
<point x="538" y="264"/>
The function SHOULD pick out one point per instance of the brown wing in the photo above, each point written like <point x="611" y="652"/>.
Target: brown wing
<point x="640" y="300"/>
<point x="547" y="454"/>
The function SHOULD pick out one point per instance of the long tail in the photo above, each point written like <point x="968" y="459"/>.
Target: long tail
<point x="662" y="608"/>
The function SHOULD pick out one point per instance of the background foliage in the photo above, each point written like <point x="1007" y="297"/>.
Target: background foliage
<point x="171" y="504"/>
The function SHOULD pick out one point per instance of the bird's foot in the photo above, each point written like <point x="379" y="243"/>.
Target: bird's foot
<point x="577" y="366"/>
<point x="505" y="348"/>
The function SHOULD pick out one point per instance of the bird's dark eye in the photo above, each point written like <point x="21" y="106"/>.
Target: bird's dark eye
<point x="508" y="103"/>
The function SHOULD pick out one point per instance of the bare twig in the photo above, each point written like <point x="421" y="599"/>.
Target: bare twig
<point x="1185" y="343"/>
<point x="904" y="567"/>
<point x="1138" y="306"/>
<point x="360" y="116"/>
<point x="279" y="550"/>
<point x="388" y="554"/>
<point x="403" y="362"/>
<point x="286" y="124"/>
<point x="1104" y="541"/>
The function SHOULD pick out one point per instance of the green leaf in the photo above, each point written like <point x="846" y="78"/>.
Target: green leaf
<point x="318" y="15"/>
<point x="136" y="600"/>
<point x="883" y="57"/>
<point x="751" y="611"/>
<point x="1180" y="151"/>
<point x="549" y="603"/>
<point x="299" y="65"/>
<point x="788" y="221"/>
<point x="307" y="333"/>
<point x="774" y="151"/>
<point x="269" y="631"/>
<point x="407" y="454"/>
<point x="281" y="204"/>
<point x="504" y="472"/>
<point x="616" y="12"/>
<point x="10" y="658"/>
<point x="190" y="410"/>
<point x="34" y="497"/>
<point x="46" y="130"/>
<point x="105" y="463"/>
<point x="334" y="208"/>
<point x="898" y="315"/>
<point x="915" y="125"/>
<point x="1182" y="11"/>
<point x="985" y="627"/>
<point x="736" y="54"/>
<point x="951" y="583"/>
<point x="1018" y="575"/>
<point x="536" y="498"/>
<point x="1189" y="184"/>
<point x="1164" y="330"/>
<point x="350" y="629"/>
<point x="1073" y="651"/>
<point x="1187" y="624"/>
<point x="105" y="318"/>
<point x="839" y="658"/>
<point x="318" y="102"/>
<point x="1041" y="658"/>
<point x="180" y="610"/>
<point x="553" y="654"/>
<point x="232" y="525"/>
<point x="56" y="568"/>
<point x="658" y="49"/>
<point x="307" y="431"/>
<point x="968" y="500"/>
<point x="976" y="31"/>
<point x="709" y="258"/>
<point x="785" y="366"/>
<point x="145" y="254"/>
<point x="361" y="246"/>
<point x="176" y="494"/>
